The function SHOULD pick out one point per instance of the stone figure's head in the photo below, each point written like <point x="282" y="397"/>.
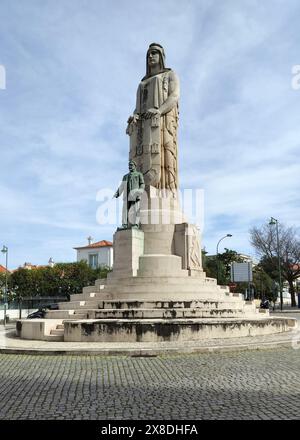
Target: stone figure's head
<point x="132" y="165"/>
<point x="155" y="54"/>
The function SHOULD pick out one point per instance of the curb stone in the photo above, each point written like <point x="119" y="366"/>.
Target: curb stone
<point x="219" y="347"/>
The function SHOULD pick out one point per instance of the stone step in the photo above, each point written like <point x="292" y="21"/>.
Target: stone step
<point x="166" y="296"/>
<point x="75" y="305"/>
<point x="172" y="296"/>
<point x="95" y="288"/>
<point x="91" y="296"/>
<point x="54" y="338"/>
<point x="169" y="281"/>
<point x="101" y="282"/>
<point x="165" y="313"/>
<point x="162" y="330"/>
<point x="59" y="314"/>
<point x="64" y="314"/>
<point x="263" y="311"/>
<point x="154" y="288"/>
<point x="238" y="295"/>
<point x="83" y="296"/>
<point x="60" y="326"/>
<point x="136" y="303"/>
<point x="250" y="305"/>
<point x="57" y="332"/>
<point x="164" y="288"/>
<point x="80" y="315"/>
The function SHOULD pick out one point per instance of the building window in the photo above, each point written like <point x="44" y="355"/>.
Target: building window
<point x="93" y="260"/>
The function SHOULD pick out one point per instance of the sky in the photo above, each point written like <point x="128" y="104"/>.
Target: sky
<point x="71" y="73"/>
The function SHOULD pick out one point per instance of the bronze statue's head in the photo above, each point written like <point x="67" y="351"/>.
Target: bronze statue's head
<point x="132" y="165"/>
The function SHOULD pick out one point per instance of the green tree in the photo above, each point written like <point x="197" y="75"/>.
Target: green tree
<point x="209" y="263"/>
<point x="226" y="258"/>
<point x="263" y="283"/>
<point x="264" y="240"/>
<point x="2" y="283"/>
<point x="63" y="279"/>
<point x="214" y="264"/>
<point x="21" y="282"/>
<point x="72" y="277"/>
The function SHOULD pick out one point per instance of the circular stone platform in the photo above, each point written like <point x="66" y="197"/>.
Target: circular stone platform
<point x="10" y="343"/>
<point x="145" y="309"/>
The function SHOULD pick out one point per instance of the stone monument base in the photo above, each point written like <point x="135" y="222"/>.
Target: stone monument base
<point x="155" y="293"/>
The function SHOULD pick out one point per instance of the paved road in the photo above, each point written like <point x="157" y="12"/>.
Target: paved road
<point x="238" y="385"/>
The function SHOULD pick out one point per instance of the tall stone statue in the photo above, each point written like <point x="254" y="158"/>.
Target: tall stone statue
<point x="153" y="126"/>
<point x="132" y="188"/>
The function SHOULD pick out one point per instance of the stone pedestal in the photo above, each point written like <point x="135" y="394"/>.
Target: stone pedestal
<point x="159" y="239"/>
<point x="160" y="207"/>
<point x="187" y="245"/>
<point x="159" y="265"/>
<point x="128" y="247"/>
<point x="181" y="240"/>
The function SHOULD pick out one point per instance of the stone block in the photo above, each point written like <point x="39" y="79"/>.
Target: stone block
<point x="160" y="207"/>
<point x="36" y="329"/>
<point x="128" y="247"/>
<point x="159" y="265"/>
<point x="163" y="330"/>
<point x="187" y="246"/>
<point x="159" y="239"/>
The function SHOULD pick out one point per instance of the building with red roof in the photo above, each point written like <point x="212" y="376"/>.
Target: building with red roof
<point x="2" y="269"/>
<point x="96" y="254"/>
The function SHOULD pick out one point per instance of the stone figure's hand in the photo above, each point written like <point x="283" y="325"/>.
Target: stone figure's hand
<point x="133" y="118"/>
<point x="151" y="112"/>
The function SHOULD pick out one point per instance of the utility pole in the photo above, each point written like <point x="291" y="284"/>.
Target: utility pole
<point x="274" y="221"/>
<point x="225" y="236"/>
<point x="5" y="251"/>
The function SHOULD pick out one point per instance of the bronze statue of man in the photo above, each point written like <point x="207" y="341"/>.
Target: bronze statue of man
<point x="153" y="126"/>
<point x="132" y="188"/>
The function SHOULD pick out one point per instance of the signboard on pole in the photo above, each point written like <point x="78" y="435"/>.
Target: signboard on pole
<point x="241" y="272"/>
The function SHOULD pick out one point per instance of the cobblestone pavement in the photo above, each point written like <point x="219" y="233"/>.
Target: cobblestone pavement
<point x="235" y="385"/>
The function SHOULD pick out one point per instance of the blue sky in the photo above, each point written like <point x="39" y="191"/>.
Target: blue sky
<point x="72" y="70"/>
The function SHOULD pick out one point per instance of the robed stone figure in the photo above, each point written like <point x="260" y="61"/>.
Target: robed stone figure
<point x="132" y="188"/>
<point x="153" y="126"/>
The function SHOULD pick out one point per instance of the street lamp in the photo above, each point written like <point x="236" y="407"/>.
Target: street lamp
<point x="225" y="236"/>
<point x="5" y="251"/>
<point x="274" y="221"/>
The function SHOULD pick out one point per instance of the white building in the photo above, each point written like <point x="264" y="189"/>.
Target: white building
<point x="96" y="254"/>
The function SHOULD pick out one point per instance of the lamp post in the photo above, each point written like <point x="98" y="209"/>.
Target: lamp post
<point x="274" y="221"/>
<point x="225" y="236"/>
<point x="5" y="251"/>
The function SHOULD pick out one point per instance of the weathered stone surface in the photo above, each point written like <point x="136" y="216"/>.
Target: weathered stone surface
<point x="39" y="329"/>
<point x="153" y="126"/>
<point x="160" y="265"/>
<point x="159" y="330"/>
<point x="128" y="247"/>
